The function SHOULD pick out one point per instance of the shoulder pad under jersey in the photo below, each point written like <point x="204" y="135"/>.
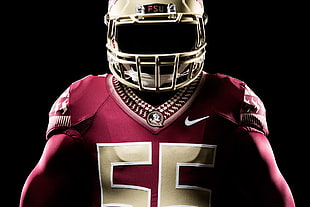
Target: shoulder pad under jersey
<point x="253" y="112"/>
<point x="77" y="103"/>
<point x="235" y="101"/>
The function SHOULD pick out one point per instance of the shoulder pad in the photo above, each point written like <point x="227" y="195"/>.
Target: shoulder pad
<point x="235" y="101"/>
<point x="226" y="94"/>
<point x="79" y="102"/>
<point x="253" y="112"/>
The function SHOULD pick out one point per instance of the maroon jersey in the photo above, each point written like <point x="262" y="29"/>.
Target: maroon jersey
<point x="180" y="153"/>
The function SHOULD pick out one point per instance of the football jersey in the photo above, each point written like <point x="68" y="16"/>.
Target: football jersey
<point x="179" y="153"/>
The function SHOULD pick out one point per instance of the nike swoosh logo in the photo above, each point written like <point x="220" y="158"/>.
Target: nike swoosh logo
<point x="195" y="121"/>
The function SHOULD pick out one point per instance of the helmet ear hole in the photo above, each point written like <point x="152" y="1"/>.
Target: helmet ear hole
<point x="205" y="18"/>
<point x="106" y="19"/>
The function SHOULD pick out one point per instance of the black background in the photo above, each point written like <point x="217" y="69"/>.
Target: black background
<point x="50" y="44"/>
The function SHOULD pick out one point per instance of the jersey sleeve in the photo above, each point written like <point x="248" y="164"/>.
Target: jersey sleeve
<point x="73" y="111"/>
<point x="253" y="112"/>
<point x="60" y="114"/>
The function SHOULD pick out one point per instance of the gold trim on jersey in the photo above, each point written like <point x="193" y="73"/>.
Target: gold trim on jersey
<point x="59" y="121"/>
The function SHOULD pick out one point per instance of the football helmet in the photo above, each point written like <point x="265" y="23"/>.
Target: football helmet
<point x="156" y="45"/>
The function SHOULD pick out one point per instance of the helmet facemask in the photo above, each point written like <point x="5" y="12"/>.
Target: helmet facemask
<point x="156" y="52"/>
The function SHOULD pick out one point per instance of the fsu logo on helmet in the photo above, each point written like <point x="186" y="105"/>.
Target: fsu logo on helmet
<point x="156" y="8"/>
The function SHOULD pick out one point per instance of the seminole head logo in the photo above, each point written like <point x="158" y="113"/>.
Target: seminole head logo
<point x="155" y="119"/>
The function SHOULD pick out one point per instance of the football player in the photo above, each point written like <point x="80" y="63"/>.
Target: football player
<point x="158" y="131"/>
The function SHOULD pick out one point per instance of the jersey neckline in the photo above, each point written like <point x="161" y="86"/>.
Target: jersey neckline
<point x="154" y="118"/>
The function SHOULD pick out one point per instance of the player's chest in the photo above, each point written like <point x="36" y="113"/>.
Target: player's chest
<point x="193" y="135"/>
<point x="176" y="162"/>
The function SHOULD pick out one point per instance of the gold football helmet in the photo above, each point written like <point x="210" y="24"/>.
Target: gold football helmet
<point x="156" y="45"/>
